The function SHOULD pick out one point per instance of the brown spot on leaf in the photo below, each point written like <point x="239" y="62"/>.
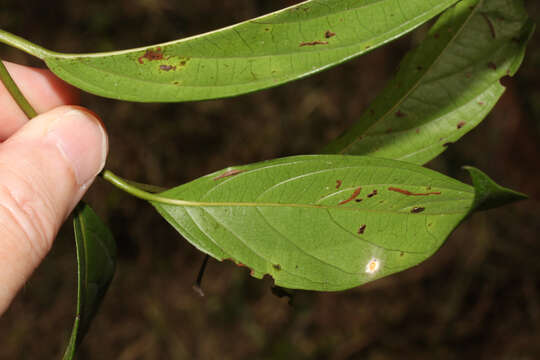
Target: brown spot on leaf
<point x="151" y="55"/>
<point x="361" y="229"/>
<point x="239" y="264"/>
<point x="417" y="131"/>
<point x="373" y="193"/>
<point x="229" y="173"/>
<point x="492" y="65"/>
<point x="167" y="67"/>
<point x="490" y="25"/>
<point x="328" y="34"/>
<point x="353" y="196"/>
<point x="358" y="200"/>
<point x="481" y="103"/>
<point x="338" y="184"/>
<point x="401" y="253"/>
<point x="416" y="210"/>
<point x="460" y="124"/>
<point x="313" y="43"/>
<point x="400" y="114"/>
<point x="277" y="267"/>
<point x="408" y="193"/>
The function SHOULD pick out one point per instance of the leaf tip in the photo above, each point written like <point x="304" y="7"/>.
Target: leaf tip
<point x="489" y="194"/>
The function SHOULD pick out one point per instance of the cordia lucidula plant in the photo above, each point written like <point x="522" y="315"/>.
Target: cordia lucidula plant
<point x="363" y="208"/>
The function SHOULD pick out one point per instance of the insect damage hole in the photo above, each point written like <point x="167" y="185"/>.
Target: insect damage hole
<point x="373" y="266"/>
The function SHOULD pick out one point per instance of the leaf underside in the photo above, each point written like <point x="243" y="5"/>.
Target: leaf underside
<point x="96" y="263"/>
<point x="257" y="54"/>
<point x="320" y="222"/>
<point x="446" y="86"/>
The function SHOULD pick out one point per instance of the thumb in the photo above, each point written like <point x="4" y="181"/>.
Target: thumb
<point x="45" y="168"/>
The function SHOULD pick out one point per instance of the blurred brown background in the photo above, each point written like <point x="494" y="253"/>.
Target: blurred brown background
<point x="478" y="297"/>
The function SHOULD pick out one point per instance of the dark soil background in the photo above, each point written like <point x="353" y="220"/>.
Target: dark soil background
<point x="477" y="298"/>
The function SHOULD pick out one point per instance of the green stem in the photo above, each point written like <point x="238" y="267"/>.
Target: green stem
<point x="125" y="185"/>
<point x="15" y="92"/>
<point x="128" y="187"/>
<point x="23" y="44"/>
<point x="146" y="187"/>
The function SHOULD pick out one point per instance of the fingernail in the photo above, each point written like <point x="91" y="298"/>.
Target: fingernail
<point x="80" y="137"/>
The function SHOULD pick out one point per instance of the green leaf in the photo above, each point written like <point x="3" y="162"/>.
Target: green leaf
<point x="260" y="53"/>
<point x="488" y="194"/>
<point x="321" y="222"/>
<point x="96" y="262"/>
<point x="446" y="86"/>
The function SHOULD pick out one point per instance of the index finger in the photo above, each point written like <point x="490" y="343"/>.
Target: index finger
<point x="43" y="90"/>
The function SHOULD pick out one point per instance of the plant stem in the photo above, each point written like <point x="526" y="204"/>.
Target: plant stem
<point x="15" y="92"/>
<point x="23" y="44"/>
<point x="126" y="186"/>
<point x="146" y="187"/>
<point x="130" y="188"/>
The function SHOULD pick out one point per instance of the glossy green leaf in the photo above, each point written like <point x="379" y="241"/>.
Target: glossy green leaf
<point x="96" y="262"/>
<point x="321" y="222"/>
<point x="446" y="86"/>
<point x="489" y="194"/>
<point x="253" y="55"/>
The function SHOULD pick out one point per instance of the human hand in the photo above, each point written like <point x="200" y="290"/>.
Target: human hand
<point x="46" y="165"/>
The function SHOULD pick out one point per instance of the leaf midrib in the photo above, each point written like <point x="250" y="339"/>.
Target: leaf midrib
<point x="186" y="203"/>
